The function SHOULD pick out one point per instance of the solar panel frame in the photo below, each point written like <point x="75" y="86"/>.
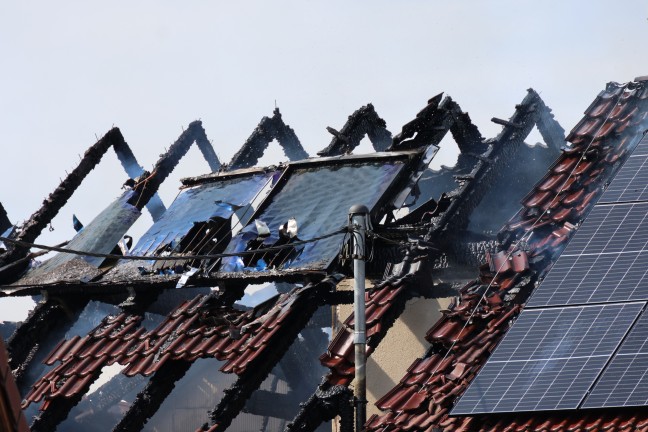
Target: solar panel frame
<point x="630" y="183"/>
<point x="562" y="385"/>
<point x="624" y="382"/>
<point x="606" y="261"/>
<point x="549" y="359"/>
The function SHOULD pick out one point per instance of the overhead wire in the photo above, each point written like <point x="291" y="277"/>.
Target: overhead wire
<point x="170" y="257"/>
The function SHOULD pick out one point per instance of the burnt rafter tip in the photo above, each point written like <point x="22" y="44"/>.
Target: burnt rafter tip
<point x="506" y="123"/>
<point x="337" y="134"/>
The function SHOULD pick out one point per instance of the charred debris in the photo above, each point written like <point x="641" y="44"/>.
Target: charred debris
<point x="277" y="229"/>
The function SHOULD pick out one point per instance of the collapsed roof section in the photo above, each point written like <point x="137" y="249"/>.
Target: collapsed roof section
<point x="529" y="243"/>
<point x="16" y="258"/>
<point x="444" y="222"/>
<point x="293" y="209"/>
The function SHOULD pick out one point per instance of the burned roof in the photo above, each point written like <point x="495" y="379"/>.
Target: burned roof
<point x="285" y="225"/>
<point x="470" y="329"/>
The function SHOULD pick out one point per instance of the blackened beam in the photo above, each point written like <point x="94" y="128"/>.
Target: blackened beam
<point x="148" y="186"/>
<point x="552" y="132"/>
<point x="364" y="121"/>
<point x="58" y="410"/>
<point x="325" y="404"/>
<point x="464" y="132"/>
<point x="54" y="316"/>
<point x="149" y="400"/>
<point x="507" y="123"/>
<point x="154" y="283"/>
<point x="235" y="397"/>
<point x="270" y="404"/>
<point x="428" y="127"/>
<point x="268" y="129"/>
<point x="5" y="223"/>
<point x="32" y="228"/>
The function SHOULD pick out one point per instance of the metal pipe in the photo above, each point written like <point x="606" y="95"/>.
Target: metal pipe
<point x="358" y="215"/>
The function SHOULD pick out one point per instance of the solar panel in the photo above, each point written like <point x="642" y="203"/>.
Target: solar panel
<point x="607" y="260"/>
<point x="565" y="356"/>
<point x="630" y="183"/>
<point x="99" y="236"/>
<point x="625" y="381"/>
<point x="642" y="147"/>
<point x="219" y="198"/>
<point x="319" y="198"/>
<point x="549" y="359"/>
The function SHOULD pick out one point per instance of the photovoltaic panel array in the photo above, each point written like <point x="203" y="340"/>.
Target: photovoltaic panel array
<point x="625" y="381"/>
<point x="631" y="183"/>
<point x="582" y="341"/>
<point x="549" y="359"/>
<point x="607" y="260"/>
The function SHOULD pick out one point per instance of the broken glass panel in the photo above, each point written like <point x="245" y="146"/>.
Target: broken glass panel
<point x="202" y="217"/>
<point x="100" y="236"/>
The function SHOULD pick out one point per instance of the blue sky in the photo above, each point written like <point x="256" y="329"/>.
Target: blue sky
<point x="72" y="70"/>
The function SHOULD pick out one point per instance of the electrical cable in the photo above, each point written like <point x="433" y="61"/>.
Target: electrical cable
<point x="170" y="257"/>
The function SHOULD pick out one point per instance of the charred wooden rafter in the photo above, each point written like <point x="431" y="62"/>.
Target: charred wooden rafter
<point x="269" y="128"/>
<point x="148" y="184"/>
<point x="326" y="403"/>
<point x="54" y="316"/>
<point x="148" y="187"/>
<point x="551" y="131"/>
<point x="428" y="127"/>
<point x="148" y="401"/>
<point x="235" y="397"/>
<point x="364" y="121"/>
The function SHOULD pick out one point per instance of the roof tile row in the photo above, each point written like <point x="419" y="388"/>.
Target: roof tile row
<point x="198" y="328"/>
